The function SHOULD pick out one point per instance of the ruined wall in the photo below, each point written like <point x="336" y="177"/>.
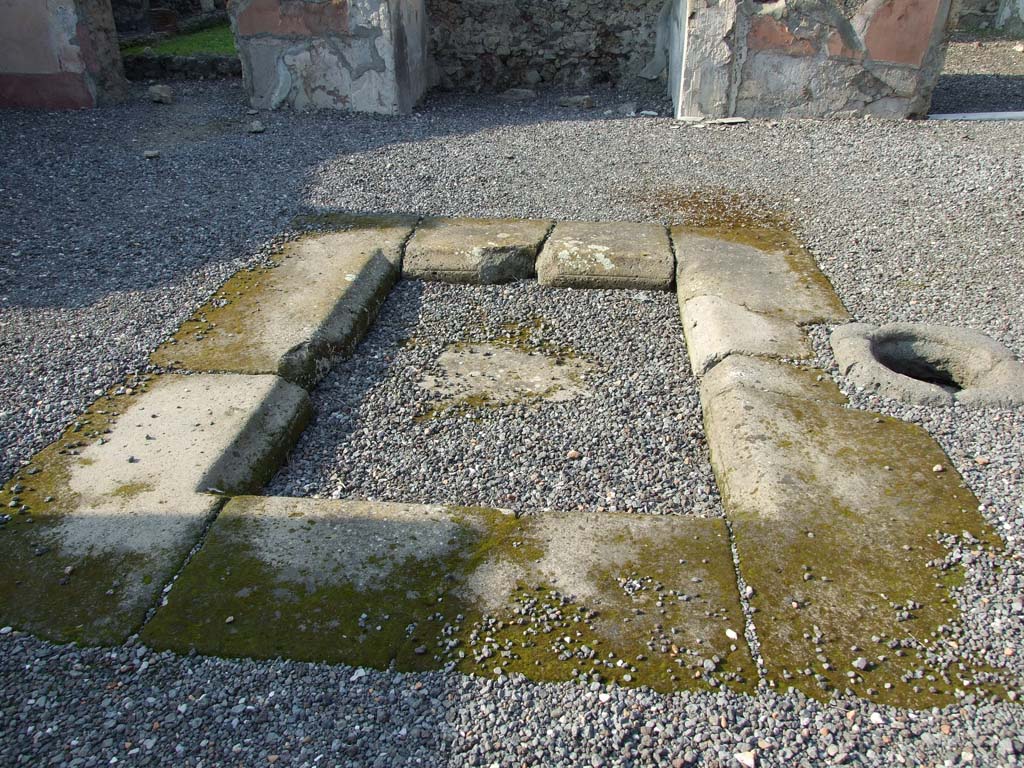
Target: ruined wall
<point x="58" y="54"/>
<point x="495" y="44"/>
<point x="362" y="55"/>
<point x="812" y="58"/>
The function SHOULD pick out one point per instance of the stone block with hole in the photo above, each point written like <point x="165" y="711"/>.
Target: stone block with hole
<point x="837" y="516"/>
<point x="296" y="317"/>
<point x="926" y="364"/>
<point x="481" y="251"/>
<point x="641" y="600"/>
<point x="716" y="328"/>
<point x="584" y="254"/>
<point x="108" y="513"/>
<point x="779" y="279"/>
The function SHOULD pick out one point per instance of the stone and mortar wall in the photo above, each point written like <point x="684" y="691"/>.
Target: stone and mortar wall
<point x="362" y="55"/>
<point x="810" y="58"/>
<point x="1005" y="16"/>
<point x="495" y="44"/>
<point x="58" y="54"/>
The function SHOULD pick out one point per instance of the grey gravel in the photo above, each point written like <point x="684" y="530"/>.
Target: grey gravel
<point x="635" y="441"/>
<point x="103" y="253"/>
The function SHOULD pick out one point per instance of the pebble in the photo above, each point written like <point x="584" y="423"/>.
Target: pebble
<point x="161" y="94"/>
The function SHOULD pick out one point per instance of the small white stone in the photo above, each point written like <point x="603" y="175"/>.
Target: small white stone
<point x="6" y="630"/>
<point x="731" y="634"/>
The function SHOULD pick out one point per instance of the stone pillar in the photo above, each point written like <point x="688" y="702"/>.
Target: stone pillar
<point x="809" y="58"/>
<point x="360" y="55"/>
<point x="59" y="54"/>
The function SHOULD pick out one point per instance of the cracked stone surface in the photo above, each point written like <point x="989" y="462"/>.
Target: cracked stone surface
<point x="109" y="511"/>
<point x="783" y="282"/>
<point x="365" y="55"/>
<point x="640" y="600"/>
<point x="716" y="328"/>
<point x="474" y="250"/>
<point x="581" y="254"/>
<point x="295" y="318"/>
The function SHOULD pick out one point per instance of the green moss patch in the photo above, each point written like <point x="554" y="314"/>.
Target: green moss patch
<point x="836" y="515"/>
<point x="659" y="601"/>
<point x="46" y="591"/>
<point x="291" y="316"/>
<point x="473" y="588"/>
<point x="234" y="600"/>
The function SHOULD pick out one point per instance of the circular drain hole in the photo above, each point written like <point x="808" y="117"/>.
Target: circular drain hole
<point x="929" y="364"/>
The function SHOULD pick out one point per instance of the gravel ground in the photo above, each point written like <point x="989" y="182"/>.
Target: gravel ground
<point x="102" y="254"/>
<point x="982" y="74"/>
<point x="636" y="439"/>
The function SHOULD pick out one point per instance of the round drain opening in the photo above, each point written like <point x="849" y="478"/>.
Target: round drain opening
<point x="927" y="364"/>
<point x="927" y="361"/>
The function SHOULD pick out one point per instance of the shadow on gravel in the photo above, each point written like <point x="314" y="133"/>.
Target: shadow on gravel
<point x="978" y="93"/>
<point x="84" y="214"/>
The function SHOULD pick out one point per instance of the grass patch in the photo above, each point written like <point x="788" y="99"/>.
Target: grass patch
<point x="213" y="40"/>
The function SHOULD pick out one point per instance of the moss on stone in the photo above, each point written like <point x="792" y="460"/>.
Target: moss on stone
<point x="229" y="602"/>
<point x="623" y="636"/>
<point x="44" y="590"/>
<point x="829" y="578"/>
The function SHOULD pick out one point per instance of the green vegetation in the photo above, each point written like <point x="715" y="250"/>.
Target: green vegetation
<point x="213" y="40"/>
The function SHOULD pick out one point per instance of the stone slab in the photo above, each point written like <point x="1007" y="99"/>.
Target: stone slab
<point x="835" y="514"/>
<point x="781" y="281"/>
<point x="740" y="371"/>
<point x="418" y="587"/>
<point x="296" y="318"/>
<point x="107" y="514"/>
<point x="715" y="328"/>
<point x="481" y="251"/>
<point x="607" y="254"/>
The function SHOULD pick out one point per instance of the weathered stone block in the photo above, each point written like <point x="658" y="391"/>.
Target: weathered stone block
<point x="781" y="281"/>
<point x="416" y="587"/>
<point x="716" y="328"/>
<point x="581" y="254"/>
<point x="480" y="251"/>
<point x="297" y="317"/>
<point x="836" y="514"/>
